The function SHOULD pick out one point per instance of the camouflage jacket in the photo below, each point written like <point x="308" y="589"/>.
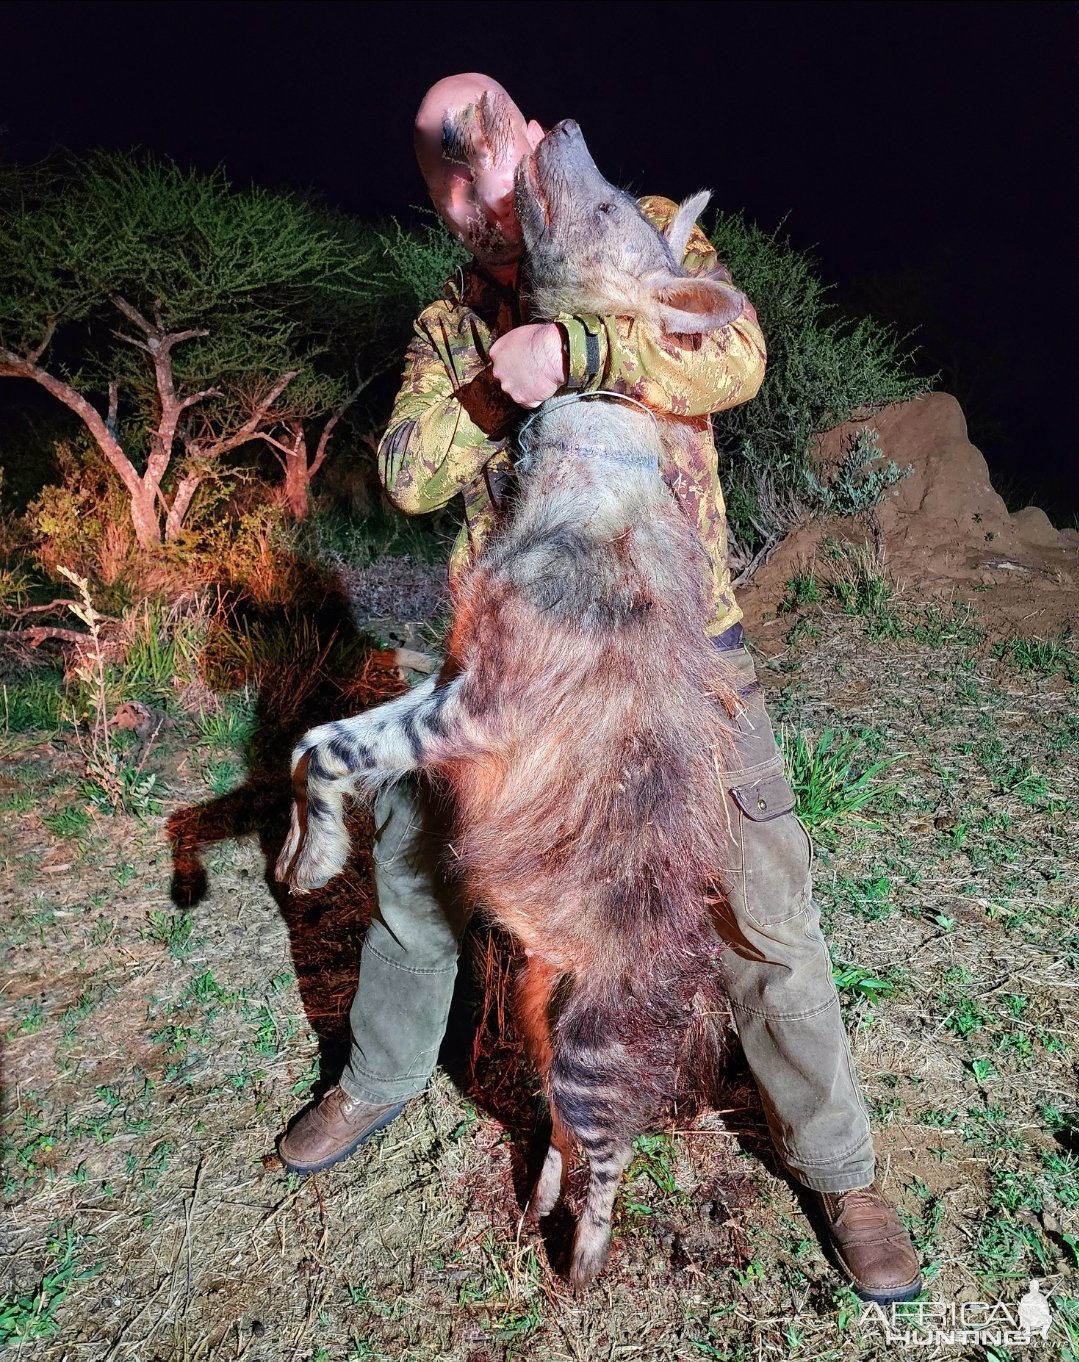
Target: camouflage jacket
<point x="450" y="429"/>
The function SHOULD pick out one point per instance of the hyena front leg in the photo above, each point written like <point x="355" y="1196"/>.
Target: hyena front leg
<point x="357" y="756"/>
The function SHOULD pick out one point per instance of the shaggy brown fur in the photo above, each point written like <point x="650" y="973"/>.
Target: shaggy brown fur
<point x="580" y="720"/>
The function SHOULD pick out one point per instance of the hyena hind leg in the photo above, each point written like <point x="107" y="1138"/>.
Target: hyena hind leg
<point x="592" y="1242"/>
<point x="536" y="987"/>
<point x="552" y="1179"/>
<point x="595" y="1091"/>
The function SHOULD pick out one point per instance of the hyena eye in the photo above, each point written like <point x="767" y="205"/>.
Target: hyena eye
<point x="605" y="208"/>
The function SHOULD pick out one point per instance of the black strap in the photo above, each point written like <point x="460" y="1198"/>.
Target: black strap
<point x="591" y="356"/>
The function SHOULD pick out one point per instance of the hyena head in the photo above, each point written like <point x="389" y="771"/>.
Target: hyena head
<point x="590" y="249"/>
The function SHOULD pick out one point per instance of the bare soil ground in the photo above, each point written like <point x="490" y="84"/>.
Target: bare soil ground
<point x="165" y="1017"/>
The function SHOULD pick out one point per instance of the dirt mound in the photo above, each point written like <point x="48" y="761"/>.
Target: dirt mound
<point x="944" y="530"/>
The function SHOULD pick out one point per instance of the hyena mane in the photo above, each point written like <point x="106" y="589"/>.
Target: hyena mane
<point x="596" y="832"/>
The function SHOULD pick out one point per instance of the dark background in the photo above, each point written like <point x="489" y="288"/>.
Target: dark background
<point x="926" y="152"/>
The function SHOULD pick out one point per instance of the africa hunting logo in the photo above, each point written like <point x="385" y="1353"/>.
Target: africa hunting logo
<point x="926" y="1324"/>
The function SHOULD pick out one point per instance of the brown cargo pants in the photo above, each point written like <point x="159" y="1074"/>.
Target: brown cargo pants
<point x="776" y="969"/>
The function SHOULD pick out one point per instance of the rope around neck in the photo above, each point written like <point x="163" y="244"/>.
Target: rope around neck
<point x="553" y="402"/>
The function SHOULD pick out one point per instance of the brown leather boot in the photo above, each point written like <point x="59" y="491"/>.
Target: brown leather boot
<point x="873" y="1248"/>
<point x="331" y="1130"/>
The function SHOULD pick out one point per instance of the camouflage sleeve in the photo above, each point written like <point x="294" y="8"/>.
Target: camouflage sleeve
<point x="686" y="375"/>
<point x="450" y="419"/>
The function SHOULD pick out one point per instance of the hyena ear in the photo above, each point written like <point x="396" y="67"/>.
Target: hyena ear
<point x="690" y="306"/>
<point x="678" y="229"/>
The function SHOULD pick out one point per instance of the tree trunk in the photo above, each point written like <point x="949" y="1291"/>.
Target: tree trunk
<point x="143" y="509"/>
<point x="297" y="475"/>
<point x="144" y="517"/>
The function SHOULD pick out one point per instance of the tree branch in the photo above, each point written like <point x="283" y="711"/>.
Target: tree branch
<point x="20" y="612"/>
<point x="171" y="407"/>
<point x="185" y="490"/>
<point x="198" y="397"/>
<point x="322" y="448"/>
<point x="170" y="338"/>
<point x="158" y="340"/>
<point x="38" y="633"/>
<point x="276" y="445"/>
<point x="250" y="428"/>
<point x="272" y="440"/>
<point x="133" y="315"/>
<point x="134" y="340"/>
<point x="50" y="330"/>
<point x="12" y="366"/>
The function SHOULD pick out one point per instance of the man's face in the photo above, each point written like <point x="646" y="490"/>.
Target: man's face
<point x="471" y="184"/>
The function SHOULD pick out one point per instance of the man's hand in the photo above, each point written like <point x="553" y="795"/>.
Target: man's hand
<point x="529" y="363"/>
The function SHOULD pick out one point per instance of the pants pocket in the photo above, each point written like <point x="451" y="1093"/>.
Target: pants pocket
<point x="774" y="882"/>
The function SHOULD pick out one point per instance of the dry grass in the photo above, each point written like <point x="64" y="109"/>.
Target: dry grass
<point x="165" y="1019"/>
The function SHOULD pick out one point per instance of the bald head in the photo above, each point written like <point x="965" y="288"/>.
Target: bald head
<point x="470" y="137"/>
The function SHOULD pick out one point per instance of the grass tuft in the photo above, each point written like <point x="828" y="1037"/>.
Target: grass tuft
<point x="1047" y="656"/>
<point x="33" y="705"/>
<point x="29" y="1316"/>
<point x="831" y="777"/>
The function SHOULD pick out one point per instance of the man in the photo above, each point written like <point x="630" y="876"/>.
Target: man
<point x="473" y="364"/>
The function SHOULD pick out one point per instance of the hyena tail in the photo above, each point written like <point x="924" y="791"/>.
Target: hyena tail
<point x="358" y="756"/>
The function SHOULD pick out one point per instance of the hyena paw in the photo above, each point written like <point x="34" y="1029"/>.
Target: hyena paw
<point x="590" y="1249"/>
<point x="314" y="867"/>
<point x="308" y="860"/>
<point x="548" y="1186"/>
<point x="292" y="845"/>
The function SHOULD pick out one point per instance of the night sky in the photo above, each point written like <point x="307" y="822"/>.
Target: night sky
<point x="925" y="152"/>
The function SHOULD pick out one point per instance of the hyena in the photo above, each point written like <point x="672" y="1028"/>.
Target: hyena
<point x="581" y="717"/>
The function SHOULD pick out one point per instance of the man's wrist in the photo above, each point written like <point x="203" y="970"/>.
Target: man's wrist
<point x="566" y="363"/>
<point x="554" y="353"/>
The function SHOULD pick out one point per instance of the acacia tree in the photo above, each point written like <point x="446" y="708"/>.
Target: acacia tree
<point x="180" y="319"/>
<point x="402" y="271"/>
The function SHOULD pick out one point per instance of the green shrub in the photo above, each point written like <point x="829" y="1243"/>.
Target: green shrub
<point x="83" y="522"/>
<point x="822" y="369"/>
<point x="854" y="486"/>
<point x="831" y="777"/>
<point x="801" y="589"/>
<point x="419" y="261"/>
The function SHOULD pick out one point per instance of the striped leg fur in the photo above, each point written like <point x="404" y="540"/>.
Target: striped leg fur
<point x="356" y="756"/>
<point x="552" y="1178"/>
<point x="607" y="1161"/>
<point x="595" y="1099"/>
<point x="535" y="992"/>
<point x="615" y="1059"/>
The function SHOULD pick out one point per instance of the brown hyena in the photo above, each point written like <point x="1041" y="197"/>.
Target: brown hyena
<point x="581" y="715"/>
